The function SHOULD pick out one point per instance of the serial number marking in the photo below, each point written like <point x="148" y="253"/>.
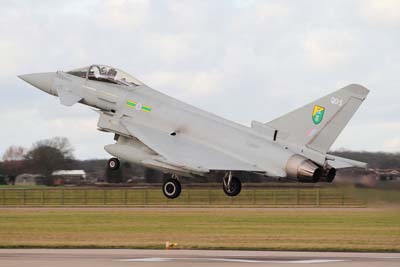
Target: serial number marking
<point x="336" y="101"/>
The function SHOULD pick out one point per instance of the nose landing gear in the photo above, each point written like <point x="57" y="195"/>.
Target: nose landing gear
<point x="113" y="164"/>
<point x="231" y="185"/>
<point x="172" y="187"/>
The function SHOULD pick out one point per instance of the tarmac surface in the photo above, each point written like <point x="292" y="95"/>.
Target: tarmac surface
<point x="184" y="258"/>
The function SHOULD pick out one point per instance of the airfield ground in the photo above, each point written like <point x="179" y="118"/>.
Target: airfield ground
<point x="310" y="229"/>
<point x="193" y="258"/>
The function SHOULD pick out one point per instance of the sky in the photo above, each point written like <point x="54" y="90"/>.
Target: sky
<point x="241" y="59"/>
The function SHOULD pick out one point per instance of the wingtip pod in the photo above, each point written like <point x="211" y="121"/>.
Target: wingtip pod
<point x="358" y="90"/>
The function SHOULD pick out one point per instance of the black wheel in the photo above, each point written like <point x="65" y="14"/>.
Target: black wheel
<point x="172" y="188"/>
<point x="331" y="175"/>
<point x="234" y="188"/>
<point x="113" y="164"/>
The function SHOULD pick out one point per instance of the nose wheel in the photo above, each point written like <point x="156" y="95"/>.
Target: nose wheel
<point x="172" y="188"/>
<point x="231" y="185"/>
<point x="113" y="164"/>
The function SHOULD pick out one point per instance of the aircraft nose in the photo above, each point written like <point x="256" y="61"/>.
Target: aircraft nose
<point x="42" y="81"/>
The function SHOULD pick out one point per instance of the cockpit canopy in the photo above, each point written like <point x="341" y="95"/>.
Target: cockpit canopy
<point x="106" y="74"/>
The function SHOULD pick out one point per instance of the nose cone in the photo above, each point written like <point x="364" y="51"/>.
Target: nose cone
<point x="43" y="81"/>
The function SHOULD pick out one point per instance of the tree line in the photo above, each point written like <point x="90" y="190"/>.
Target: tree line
<point x="49" y="155"/>
<point x="46" y="156"/>
<point x="375" y="160"/>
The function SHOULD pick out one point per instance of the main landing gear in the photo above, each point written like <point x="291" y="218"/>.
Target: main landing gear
<point x="113" y="164"/>
<point x="231" y="185"/>
<point x="172" y="187"/>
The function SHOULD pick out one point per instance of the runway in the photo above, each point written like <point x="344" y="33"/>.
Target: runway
<point x="184" y="258"/>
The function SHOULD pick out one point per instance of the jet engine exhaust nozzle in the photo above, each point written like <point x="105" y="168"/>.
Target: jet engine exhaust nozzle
<point x="328" y="174"/>
<point x="303" y="169"/>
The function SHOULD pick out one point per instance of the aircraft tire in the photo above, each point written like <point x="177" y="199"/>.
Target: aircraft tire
<point x="235" y="187"/>
<point x="172" y="188"/>
<point x="113" y="164"/>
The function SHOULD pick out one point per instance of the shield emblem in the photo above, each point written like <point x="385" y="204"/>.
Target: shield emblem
<point x="318" y="114"/>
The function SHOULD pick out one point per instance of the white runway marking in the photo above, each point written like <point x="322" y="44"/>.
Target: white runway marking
<point x="230" y="260"/>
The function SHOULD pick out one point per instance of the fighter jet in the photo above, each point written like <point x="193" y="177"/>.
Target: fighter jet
<point x="161" y="132"/>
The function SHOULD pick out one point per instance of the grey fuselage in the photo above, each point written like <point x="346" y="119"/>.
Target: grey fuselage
<point x="158" y="131"/>
<point x="173" y="116"/>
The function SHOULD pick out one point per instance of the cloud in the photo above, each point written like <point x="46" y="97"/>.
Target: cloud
<point x="123" y="14"/>
<point x="328" y="49"/>
<point x="242" y="59"/>
<point x="10" y="57"/>
<point x="186" y="85"/>
<point x="370" y="135"/>
<point x="242" y="3"/>
<point x="392" y="145"/>
<point x="384" y="12"/>
<point x="79" y="130"/>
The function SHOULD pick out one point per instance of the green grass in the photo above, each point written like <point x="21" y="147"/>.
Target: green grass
<point x="260" y="229"/>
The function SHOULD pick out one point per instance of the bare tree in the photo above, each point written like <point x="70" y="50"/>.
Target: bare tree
<point x="13" y="163"/>
<point x="14" y="153"/>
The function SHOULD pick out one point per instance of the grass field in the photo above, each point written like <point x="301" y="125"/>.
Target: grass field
<point x="319" y="229"/>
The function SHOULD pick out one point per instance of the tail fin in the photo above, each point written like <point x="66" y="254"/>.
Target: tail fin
<point x="318" y="124"/>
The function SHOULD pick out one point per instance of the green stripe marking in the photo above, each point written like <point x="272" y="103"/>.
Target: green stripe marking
<point x="146" y="108"/>
<point x="131" y="103"/>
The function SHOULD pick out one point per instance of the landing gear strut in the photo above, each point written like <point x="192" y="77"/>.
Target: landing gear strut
<point x="231" y="185"/>
<point x="113" y="164"/>
<point x="172" y="187"/>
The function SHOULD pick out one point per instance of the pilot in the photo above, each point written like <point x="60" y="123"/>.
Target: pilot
<point x="112" y="73"/>
<point x="103" y="70"/>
